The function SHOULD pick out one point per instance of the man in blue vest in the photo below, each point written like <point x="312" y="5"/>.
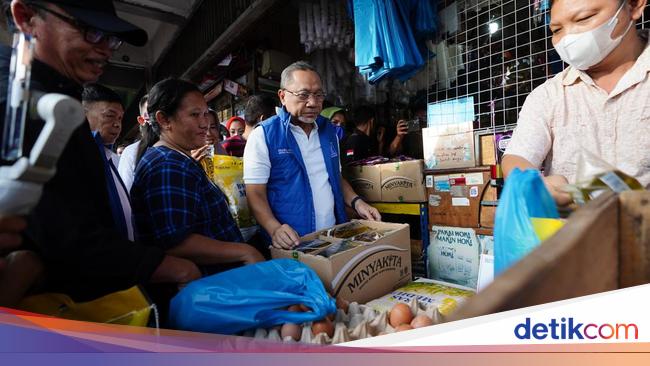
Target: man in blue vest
<point x="104" y="112"/>
<point x="292" y="168"/>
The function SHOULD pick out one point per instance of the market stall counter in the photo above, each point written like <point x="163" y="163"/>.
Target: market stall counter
<point x="604" y="246"/>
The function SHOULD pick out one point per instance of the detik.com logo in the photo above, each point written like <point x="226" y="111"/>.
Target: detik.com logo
<point x="569" y="328"/>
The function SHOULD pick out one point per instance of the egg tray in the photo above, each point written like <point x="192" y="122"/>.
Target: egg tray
<point x="361" y="321"/>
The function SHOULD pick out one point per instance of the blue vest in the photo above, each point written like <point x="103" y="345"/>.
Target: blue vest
<point x="288" y="190"/>
<point x="113" y="195"/>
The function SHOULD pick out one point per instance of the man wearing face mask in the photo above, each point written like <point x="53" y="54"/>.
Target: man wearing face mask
<point x="292" y="166"/>
<point x="600" y="103"/>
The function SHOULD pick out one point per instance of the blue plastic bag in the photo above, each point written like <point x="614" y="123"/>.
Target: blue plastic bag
<point x="251" y="297"/>
<point x="385" y="45"/>
<point x="524" y="196"/>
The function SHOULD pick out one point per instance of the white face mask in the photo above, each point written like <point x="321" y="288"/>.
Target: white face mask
<point x="584" y="50"/>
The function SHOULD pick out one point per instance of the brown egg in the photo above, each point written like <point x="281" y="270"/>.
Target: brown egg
<point x="403" y="327"/>
<point x="400" y="314"/>
<point x="291" y="330"/>
<point x="323" y="326"/>
<point x="304" y="307"/>
<point x="421" y="321"/>
<point x="342" y="304"/>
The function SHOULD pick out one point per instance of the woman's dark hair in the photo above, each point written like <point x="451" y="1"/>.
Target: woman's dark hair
<point x="165" y="97"/>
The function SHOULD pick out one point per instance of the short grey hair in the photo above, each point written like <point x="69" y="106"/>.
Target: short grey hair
<point x="287" y="74"/>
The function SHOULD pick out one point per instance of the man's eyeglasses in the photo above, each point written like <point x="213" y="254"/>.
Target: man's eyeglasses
<point x="91" y="35"/>
<point x="304" y="96"/>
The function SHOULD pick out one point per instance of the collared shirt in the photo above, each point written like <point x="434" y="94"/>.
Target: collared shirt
<point x="257" y="169"/>
<point x="172" y="198"/>
<point x="126" y="167"/>
<point x="570" y="113"/>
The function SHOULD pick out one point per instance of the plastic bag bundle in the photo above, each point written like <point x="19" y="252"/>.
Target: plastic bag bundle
<point x="385" y="44"/>
<point x="251" y="297"/>
<point x="524" y="197"/>
<point x="425" y="18"/>
<point x="324" y="24"/>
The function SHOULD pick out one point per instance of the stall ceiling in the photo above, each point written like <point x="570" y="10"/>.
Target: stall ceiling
<point x="163" y="20"/>
<point x="129" y="70"/>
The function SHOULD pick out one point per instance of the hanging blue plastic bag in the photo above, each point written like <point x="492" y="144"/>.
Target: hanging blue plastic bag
<point x="250" y="297"/>
<point x="524" y="196"/>
<point x="385" y="45"/>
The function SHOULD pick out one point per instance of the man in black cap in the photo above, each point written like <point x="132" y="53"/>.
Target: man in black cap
<point x="72" y="227"/>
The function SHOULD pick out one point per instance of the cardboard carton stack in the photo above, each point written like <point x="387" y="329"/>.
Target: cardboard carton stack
<point x="401" y="181"/>
<point x="461" y="205"/>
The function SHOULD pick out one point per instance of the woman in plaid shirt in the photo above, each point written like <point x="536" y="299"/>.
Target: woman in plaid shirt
<point x="175" y="205"/>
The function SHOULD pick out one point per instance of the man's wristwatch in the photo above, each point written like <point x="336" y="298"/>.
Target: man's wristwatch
<point x="354" y="202"/>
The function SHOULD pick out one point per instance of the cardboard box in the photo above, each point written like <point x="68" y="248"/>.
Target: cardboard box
<point x="454" y="255"/>
<point x="493" y="146"/>
<point x="365" y="180"/>
<point x="455" y="198"/>
<point x="403" y="181"/>
<point x="449" y="145"/>
<point x="488" y="207"/>
<point x="365" y="272"/>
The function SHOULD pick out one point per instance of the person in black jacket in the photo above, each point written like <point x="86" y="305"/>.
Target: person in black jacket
<point x="359" y="145"/>
<point x="72" y="227"/>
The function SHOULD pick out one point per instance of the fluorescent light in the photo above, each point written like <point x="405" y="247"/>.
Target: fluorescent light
<point x="494" y="27"/>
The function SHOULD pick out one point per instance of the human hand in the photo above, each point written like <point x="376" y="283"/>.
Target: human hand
<point x="285" y="237"/>
<point x="200" y="153"/>
<point x="555" y="185"/>
<point x="10" y="229"/>
<point x="366" y="211"/>
<point x="175" y="270"/>
<point x="251" y="255"/>
<point x="381" y="132"/>
<point x="402" y="128"/>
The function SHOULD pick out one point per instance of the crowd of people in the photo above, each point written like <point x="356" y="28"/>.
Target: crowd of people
<point x="151" y="216"/>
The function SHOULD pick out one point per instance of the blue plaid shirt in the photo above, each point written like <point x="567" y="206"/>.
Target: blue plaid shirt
<point x="172" y="198"/>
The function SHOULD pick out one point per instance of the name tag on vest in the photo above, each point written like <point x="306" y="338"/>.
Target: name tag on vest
<point x="284" y="151"/>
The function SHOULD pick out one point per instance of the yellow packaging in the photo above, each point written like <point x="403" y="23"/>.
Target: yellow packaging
<point x="227" y="172"/>
<point x="127" y="307"/>
<point x="444" y="296"/>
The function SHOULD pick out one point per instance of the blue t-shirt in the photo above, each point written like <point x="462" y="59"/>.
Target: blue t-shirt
<point x="172" y="198"/>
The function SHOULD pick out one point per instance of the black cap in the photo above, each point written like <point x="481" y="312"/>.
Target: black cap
<point x="100" y="14"/>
